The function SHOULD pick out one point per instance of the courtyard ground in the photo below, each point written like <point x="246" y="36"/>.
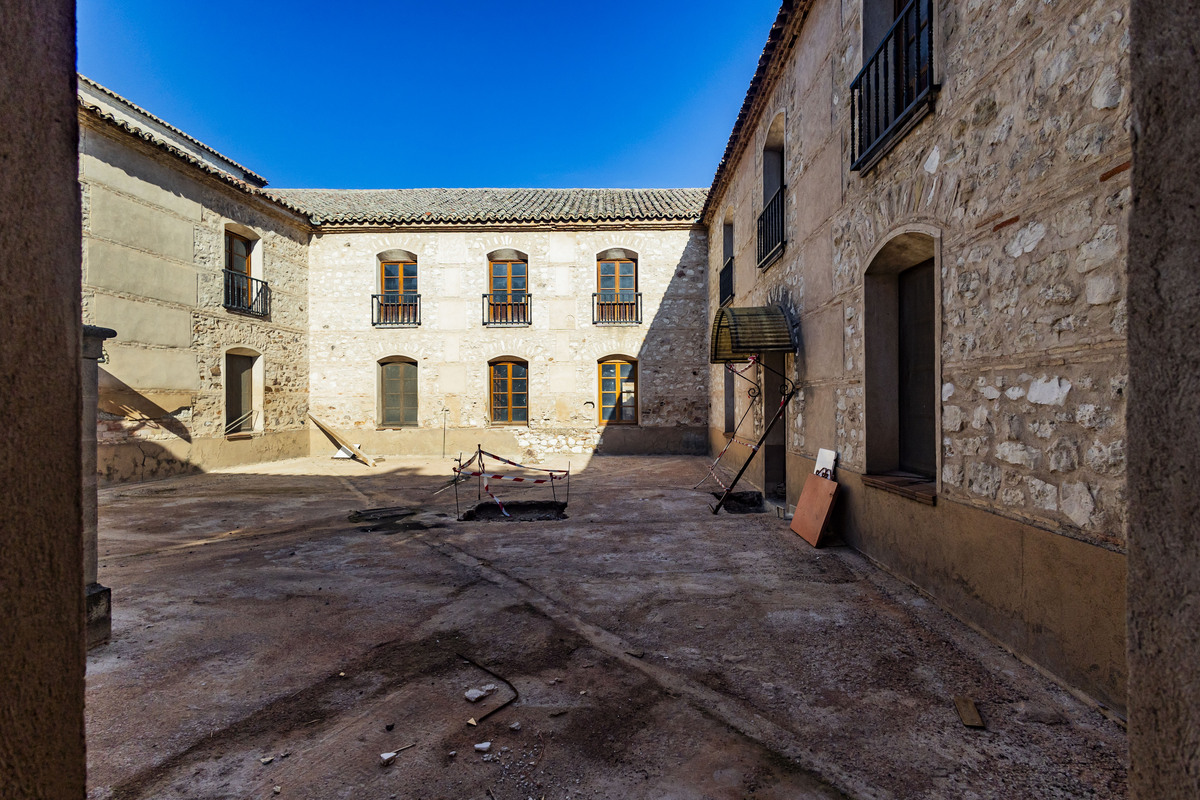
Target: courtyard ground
<point x="265" y="646"/>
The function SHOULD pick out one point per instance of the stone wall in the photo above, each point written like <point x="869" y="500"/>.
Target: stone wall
<point x="42" y="752"/>
<point x="1164" y="413"/>
<point x="153" y="252"/>
<point x="1019" y="182"/>
<point x="452" y="346"/>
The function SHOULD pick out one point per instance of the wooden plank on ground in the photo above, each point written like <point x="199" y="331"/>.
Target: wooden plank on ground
<point x="967" y="712"/>
<point x="813" y="509"/>
<point x="359" y="454"/>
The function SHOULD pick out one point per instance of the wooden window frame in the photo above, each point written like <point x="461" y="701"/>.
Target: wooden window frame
<point x="383" y="424"/>
<point x="400" y="277"/>
<point x="508" y="392"/>
<point x="618" y="402"/>
<point x="230" y="237"/>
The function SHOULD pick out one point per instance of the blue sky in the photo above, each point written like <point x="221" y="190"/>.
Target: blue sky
<point x="363" y="95"/>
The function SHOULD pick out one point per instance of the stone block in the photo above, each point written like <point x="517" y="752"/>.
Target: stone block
<point x="119" y="219"/>
<point x="120" y="269"/>
<point x="137" y="321"/>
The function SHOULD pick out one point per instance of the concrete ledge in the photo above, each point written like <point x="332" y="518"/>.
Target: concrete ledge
<point x="98" y="615"/>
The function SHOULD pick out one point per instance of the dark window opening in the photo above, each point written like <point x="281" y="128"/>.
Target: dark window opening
<point x="726" y="277"/>
<point x="239" y="394"/>
<point x="917" y="391"/>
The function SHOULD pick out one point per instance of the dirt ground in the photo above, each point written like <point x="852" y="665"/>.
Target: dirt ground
<point x="266" y="646"/>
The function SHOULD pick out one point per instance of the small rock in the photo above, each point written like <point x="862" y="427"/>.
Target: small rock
<point x="386" y="759"/>
<point x="341" y="674"/>
<point x="453" y="753"/>
<point x="584" y="691"/>
<point x="483" y="747"/>
<point x="474" y="695"/>
<point x="516" y="726"/>
<point x="504" y="749"/>
<point x="487" y="757"/>
<point x="266" y="760"/>
<point x="276" y="789"/>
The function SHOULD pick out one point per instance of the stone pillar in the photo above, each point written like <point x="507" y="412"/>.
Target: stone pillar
<point x="42" y="652"/>
<point x="1164" y="404"/>
<point x="98" y="602"/>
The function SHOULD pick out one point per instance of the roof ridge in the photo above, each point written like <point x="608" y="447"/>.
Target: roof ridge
<point x="168" y="125"/>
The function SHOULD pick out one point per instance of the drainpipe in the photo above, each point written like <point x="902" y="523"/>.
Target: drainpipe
<point x="99" y="598"/>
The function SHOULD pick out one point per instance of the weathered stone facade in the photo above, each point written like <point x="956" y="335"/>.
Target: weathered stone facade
<point x="1016" y="185"/>
<point x="153" y="255"/>
<point x="452" y="346"/>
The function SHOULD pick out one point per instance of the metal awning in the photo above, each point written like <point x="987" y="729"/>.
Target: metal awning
<point x="739" y="333"/>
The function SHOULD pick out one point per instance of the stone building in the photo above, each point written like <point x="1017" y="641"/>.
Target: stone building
<point x="446" y="318"/>
<point x="936" y="195"/>
<point x="532" y="322"/>
<point x="210" y="364"/>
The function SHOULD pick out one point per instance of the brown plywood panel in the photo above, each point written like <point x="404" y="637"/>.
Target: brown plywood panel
<point x="812" y="511"/>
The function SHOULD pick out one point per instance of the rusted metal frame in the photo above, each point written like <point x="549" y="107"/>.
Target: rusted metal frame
<point x="788" y="390"/>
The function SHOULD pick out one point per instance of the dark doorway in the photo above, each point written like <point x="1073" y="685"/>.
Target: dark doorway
<point x="917" y="386"/>
<point x="775" y="447"/>
<point x="239" y="393"/>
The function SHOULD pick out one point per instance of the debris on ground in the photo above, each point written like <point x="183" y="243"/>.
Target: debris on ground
<point x="472" y="721"/>
<point x="483" y="747"/>
<point x="475" y="695"/>
<point x="276" y="789"/>
<point x="516" y="726"/>
<point x="967" y="712"/>
<point x="387" y="759"/>
<point x="266" y="760"/>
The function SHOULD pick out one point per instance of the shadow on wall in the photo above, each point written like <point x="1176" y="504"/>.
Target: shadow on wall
<point x="138" y="417"/>
<point x="669" y="390"/>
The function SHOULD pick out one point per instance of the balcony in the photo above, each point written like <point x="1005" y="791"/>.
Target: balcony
<point x="895" y="88"/>
<point x="726" y="281"/>
<point x="617" y="308"/>
<point x="506" y="309"/>
<point x="246" y="295"/>
<point x="770" y="231"/>
<point x="395" y="310"/>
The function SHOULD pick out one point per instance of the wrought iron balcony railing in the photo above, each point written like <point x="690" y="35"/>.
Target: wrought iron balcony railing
<point x="770" y="229"/>
<point x="895" y="87"/>
<point x="395" y="310"/>
<point x="506" y="309"/>
<point x="613" y="307"/>
<point x="247" y="295"/>
<point x="727" y="281"/>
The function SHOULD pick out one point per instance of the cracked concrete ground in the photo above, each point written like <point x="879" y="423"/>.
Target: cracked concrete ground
<point x="655" y="651"/>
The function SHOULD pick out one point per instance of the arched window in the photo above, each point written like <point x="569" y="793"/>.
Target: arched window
<point x="507" y="300"/>
<point x="509" y="391"/>
<point x="618" y="390"/>
<point x="770" y="222"/>
<point x="900" y="297"/>
<point x="243" y="372"/>
<point x="397" y="392"/>
<point x="618" y="301"/>
<point x="398" y="301"/>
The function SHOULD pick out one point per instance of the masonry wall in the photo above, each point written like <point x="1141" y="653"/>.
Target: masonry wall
<point x="41" y="558"/>
<point x="1164" y="417"/>
<point x="1017" y="183"/>
<point x="153" y="254"/>
<point x="452" y="346"/>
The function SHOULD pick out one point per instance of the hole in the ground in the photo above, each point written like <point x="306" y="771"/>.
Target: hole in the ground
<point x="742" y="502"/>
<point x="519" y="511"/>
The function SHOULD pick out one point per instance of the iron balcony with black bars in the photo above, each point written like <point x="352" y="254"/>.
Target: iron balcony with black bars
<point x="507" y="309"/>
<point x="770" y="231"/>
<point x="615" y="307"/>
<point x="392" y="310"/>
<point x="895" y="88"/>
<point x="246" y="295"/>
<point x="726" y="281"/>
